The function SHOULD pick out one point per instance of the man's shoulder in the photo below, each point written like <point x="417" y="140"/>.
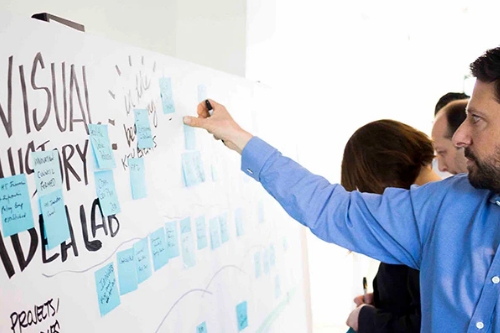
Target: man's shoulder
<point x="457" y="185"/>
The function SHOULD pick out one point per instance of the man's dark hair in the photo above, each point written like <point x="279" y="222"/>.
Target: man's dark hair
<point x="447" y="98"/>
<point x="486" y="69"/>
<point x="455" y="116"/>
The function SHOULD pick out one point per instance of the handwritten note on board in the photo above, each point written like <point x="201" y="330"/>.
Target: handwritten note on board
<point x="137" y="178"/>
<point x="192" y="168"/>
<point x="224" y="228"/>
<point x="143" y="128"/>
<point x="166" y="95"/>
<point x="172" y="239"/>
<point x="101" y="146"/>
<point x="202" y="328"/>
<point x="187" y="249"/>
<point x="159" y="248"/>
<point x="55" y="220"/>
<point x="238" y="220"/>
<point x="189" y="138"/>
<point x="214" y="233"/>
<point x="106" y="192"/>
<point x="107" y="292"/>
<point x="201" y="232"/>
<point x="46" y="170"/>
<point x="142" y="260"/>
<point x="242" y="315"/>
<point x="15" y="205"/>
<point x="127" y="272"/>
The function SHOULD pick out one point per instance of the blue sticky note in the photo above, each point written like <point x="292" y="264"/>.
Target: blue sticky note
<point x="106" y="192"/>
<point x="185" y="225"/>
<point x="192" y="168"/>
<point x="202" y="328"/>
<point x="15" y="205"/>
<point x="46" y="171"/>
<point x="214" y="233"/>
<point x="224" y="229"/>
<point x="55" y="220"/>
<point x="256" y="260"/>
<point x="101" y="146"/>
<point x="142" y="260"/>
<point x="143" y="129"/>
<point x="202" y="93"/>
<point x="238" y="220"/>
<point x="189" y="138"/>
<point x="242" y="315"/>
<point x="272" y="256"/>
<point x="137" y="178"/>
<point x="201" y="232"/>
<point x="107" y="292"/>
<point x="277" y="286"/>
<point x="261" y="212"/>
<point x="159" y="248"/>
<point x="265" y="261"/>
<point x="172" y="239"/>
<point x="127" y="272"/>
<point x="214" y="173"/>
<point x="166" y="95"/>
<point x="187" y="246"/>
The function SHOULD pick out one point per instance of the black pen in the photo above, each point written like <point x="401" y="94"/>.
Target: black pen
<point x="365" y="289"/>
<point x="209" y="107"/>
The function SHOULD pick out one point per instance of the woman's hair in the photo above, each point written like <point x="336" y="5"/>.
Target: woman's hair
<point x="384" y="153"/>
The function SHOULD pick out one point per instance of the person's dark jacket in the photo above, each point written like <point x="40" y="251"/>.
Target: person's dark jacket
<point x="396" y="297"/>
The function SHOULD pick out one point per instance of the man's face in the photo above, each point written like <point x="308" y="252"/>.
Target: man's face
<point x="450" y="158"/>
<point x="479" y="134"/>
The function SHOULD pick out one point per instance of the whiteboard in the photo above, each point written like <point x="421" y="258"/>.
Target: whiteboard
<point x="191" y="245"/>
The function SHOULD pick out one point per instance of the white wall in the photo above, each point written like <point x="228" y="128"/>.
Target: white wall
<point x="210" y="33"/>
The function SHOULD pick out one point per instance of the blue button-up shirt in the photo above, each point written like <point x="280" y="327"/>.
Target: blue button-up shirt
<point x="448" y="230"/>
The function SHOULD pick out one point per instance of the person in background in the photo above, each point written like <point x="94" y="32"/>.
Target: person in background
<point x="447" y="98"/>
<point x="449" y="158"/>
<point x="381" y="154"/>
<point x="449" y="230"/>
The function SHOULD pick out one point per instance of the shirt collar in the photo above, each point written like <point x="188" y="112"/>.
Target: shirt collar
<point x="495" y="198"/>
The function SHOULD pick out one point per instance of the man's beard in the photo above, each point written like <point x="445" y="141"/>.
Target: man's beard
<point x="485" y="174"/>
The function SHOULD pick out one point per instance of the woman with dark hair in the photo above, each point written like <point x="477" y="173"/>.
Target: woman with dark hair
<point x="387" y="153"/>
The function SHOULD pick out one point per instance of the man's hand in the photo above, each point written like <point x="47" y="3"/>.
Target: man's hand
<point x="368" y="299"/>
<point x="352" y="320"/>
<point x="221" y="125"/>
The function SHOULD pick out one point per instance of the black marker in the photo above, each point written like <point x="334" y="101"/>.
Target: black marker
<point x="365" y="289"/>
<point x="209" y="107"/>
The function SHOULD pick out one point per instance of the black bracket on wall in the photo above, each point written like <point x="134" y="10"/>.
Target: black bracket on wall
<point x="49" y="17"/>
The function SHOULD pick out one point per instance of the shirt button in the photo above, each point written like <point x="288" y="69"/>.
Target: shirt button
<point x="495" y="279"/>
<point x="480" y="325"/>
<point x="250" y="171"/>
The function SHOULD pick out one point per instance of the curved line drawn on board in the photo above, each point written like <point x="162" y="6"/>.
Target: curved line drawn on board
<point x="220" y="270"/>
<point x="93" y="266"/>
<point x="177" y="301"/>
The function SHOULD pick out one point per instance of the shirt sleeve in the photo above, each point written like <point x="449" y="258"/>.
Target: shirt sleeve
<point x="384" y="227"/>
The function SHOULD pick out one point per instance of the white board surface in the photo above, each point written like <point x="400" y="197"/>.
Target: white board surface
<point x="247" y="277"/>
